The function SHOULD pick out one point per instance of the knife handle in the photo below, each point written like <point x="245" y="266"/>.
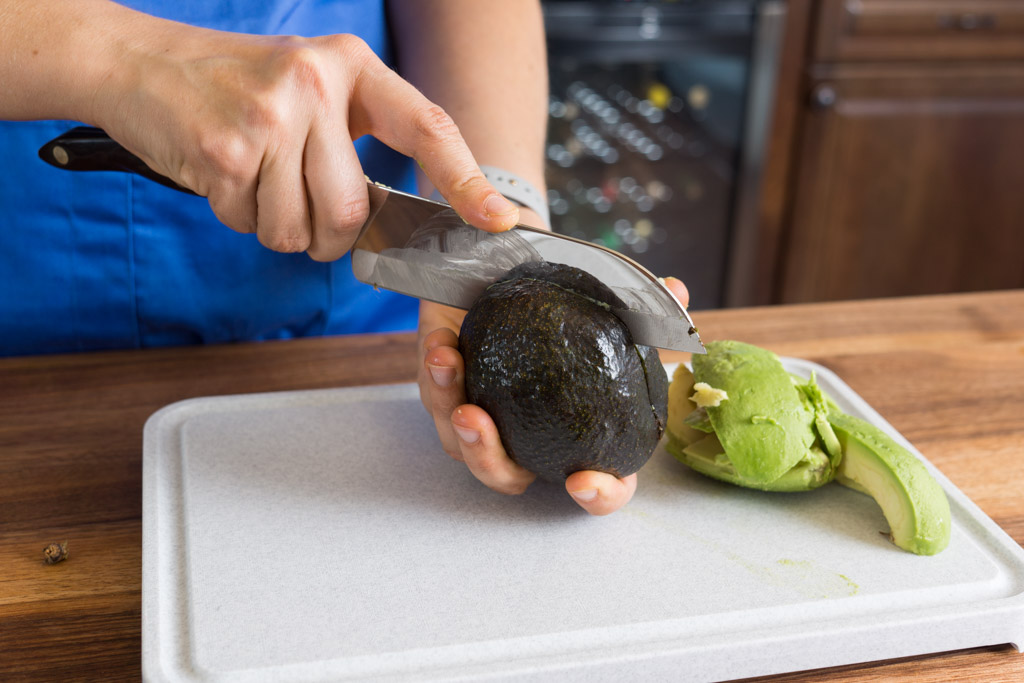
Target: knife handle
<point x="85" y="148"/>
<point x="90" y="149"/>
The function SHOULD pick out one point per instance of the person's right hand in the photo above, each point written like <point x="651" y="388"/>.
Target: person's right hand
<point x="264" y="128"/>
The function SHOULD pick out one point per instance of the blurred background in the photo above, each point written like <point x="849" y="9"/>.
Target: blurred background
<point x="781" y="151"/>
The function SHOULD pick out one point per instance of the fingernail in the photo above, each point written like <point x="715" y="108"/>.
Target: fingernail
<point x="466" y="434"/>
<point x="442" y="376"/>
<point x="584" y="496"/>
<point x="497" y="205"/>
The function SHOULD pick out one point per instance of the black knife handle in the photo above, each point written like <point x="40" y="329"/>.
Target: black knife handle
<point x="90" y="149"/>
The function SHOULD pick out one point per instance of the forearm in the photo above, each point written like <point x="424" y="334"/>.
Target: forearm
<point x="54" y="55"/>
<point x="485" y="64"/>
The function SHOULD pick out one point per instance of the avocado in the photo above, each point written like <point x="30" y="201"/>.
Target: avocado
<point x="765" y="426"/>
<point x="560" y="375"/>
<point x="821" y="407"/>
<point x="912" y="501"/>
<point x="755" y="436"/>
<point x="708" y="457"/>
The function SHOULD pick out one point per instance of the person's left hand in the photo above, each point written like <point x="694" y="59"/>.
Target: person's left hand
<point x="469" y="435"/>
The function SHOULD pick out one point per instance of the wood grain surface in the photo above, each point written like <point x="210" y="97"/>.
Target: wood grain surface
<point x="946" y="371"/>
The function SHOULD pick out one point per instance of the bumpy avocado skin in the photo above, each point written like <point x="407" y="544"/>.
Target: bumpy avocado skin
<point x="560" y="375"/>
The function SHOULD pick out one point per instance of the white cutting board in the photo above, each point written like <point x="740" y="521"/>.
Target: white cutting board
<point x="324" y="536"/>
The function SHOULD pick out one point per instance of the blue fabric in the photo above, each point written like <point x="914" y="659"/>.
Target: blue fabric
<point x="108" y="260"/>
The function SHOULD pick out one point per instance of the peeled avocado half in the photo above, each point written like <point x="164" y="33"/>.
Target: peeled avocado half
<point x="560" y="375"/>
<point x="777" y="432"/>
<point x="765" y="435"/>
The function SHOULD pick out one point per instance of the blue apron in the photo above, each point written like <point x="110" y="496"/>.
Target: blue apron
<point x="108" y="260"/>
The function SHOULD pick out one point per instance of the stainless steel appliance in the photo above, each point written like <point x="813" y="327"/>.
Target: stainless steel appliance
<point x="658" y="118"/>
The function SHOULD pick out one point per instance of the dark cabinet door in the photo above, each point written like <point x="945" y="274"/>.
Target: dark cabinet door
<point x="873" y="30"/>
<point x="910" y="180"/>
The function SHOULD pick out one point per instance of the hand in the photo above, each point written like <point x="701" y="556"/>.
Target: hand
<point x="263" y="127"/>
<point x="468" y="434"/>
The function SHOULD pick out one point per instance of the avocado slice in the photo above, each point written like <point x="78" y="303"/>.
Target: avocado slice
<point x="560" y="374"/>
<point x="765" y="425"/>
<point x="708" y="457"/>
<point x="913" y="502"/>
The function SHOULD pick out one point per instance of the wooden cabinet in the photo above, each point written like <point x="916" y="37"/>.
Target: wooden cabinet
<point x="857" y="30"/>
<point x="908" y="165"/>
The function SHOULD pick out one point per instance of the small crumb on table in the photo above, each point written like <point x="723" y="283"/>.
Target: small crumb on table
<point x="55" y="552"/>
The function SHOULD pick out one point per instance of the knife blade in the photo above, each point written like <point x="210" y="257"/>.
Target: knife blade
<point x="422" y="248"/>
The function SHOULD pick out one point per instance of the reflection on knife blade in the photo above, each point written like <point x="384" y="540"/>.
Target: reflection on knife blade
<point x="441" y="259"/>
<point x="445" y="261"/>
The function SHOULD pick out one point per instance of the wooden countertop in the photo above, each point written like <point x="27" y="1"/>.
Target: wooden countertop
<point x="946" y="371"/>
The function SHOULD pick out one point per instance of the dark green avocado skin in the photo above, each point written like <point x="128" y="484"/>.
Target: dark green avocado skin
<point x="560" y="375"/>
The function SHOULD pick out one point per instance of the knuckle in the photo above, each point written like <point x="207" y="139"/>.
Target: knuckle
<point x="227" y="155"/>
<point x="268" y="113"/>
<point x="350" y="215"/>
<point x="350" y="46"/>
<point x="304" y="66"/>
<point x="488" y="469"/>
<point x="468" y="184"/>
<point x="298" y="73"/>
<point x="432" y="123"/>
<point x="336" y="231"/>
<point x="286" y="242"/>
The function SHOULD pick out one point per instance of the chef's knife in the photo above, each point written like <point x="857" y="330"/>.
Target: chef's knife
<point x="422" y="248"/>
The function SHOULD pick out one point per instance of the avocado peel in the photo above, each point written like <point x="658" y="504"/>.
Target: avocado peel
<point x="560" y="375"/>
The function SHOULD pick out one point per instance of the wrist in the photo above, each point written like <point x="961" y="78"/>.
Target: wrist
<point x="129" y="42"/>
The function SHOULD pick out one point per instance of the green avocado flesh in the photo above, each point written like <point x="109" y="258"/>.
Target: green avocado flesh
<point x="560" y="375"/>
<point x="765" y="426"/>
<point x="778" y="432"/>
<point x="708" y="457"/>
<point x="914" y="504"/>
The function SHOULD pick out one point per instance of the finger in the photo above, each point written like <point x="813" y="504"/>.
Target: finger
<point x="337" y="190"/>
<point x="235" y="205"/>
<point x="220" y="168"/>
<point x="434" y="317"/>
<point x="282" y="206"/>
<point x="428" y="342"/>
<point x="679" y="289"/>
<point x="393" y="111"/>
<point x="484" y="454"/>
<point x="600" y="493"/>
<point x="446" y="380"/>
